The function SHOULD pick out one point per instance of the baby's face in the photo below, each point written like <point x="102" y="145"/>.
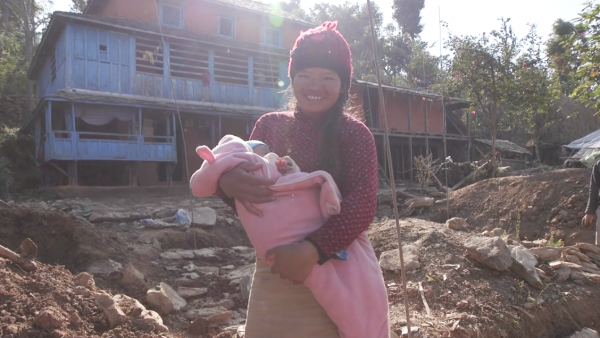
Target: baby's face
<point x="261" y="150"/>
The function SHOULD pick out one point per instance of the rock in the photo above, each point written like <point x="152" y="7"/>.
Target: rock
<point x="421" y="202"/>
<point x="214" y="316"/>
<point x="131" y="276"/>
<point x="81" y="291"/>
<point x="562" y="274"/>
<point x="199" y="327"/>
<point x="50" y="319"/>
<point x="227" y="304"/>
<point x="577" y="275"/>
<point x="228" y="267"/>
<point x="241" y="331"/>
<point x="191" y="292"/>
<point x="204" y="216"/>
<point x="497" y="232"/>
<point x="390" y="260"/>
<point x="178" y="254"/>
<point x="205" y="253"/>
<point x="108" y="268"/>
<point x="571" y="259"/>
<point x="112" y="311"/>
<point x="590" y="267"/>
<point x="586" y="333"/>
<point x="246" y="270"/>
<point x="528" y="306"/>
<point x="593" y="256"/>
<point x="486" y="233"/>
<point x="491" y="252"/>
<point x="164" y="299"/>
<point x="578" y="254"/>
<point x="75" y="320"/>
<point x="189" y="276"/>
<point x="142" y="319"/>
<point x="558" y="264"/>
<point x="524" y="265"/>
<point x="546" y="253"/>
<point x="86" y="280"/>
<point x="245" y="286"/>
<point x="414" y="332"/>
<point x="588" y="247"/>
<point x="457" y="223"/>
<point x="592" y="277"/>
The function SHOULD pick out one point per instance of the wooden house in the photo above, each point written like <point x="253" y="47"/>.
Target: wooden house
<point x="128" y="89"/>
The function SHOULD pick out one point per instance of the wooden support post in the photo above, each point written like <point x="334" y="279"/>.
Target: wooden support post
<point x="73" y="179"/>
<point x="403" y="166"/>
<point x="220" y="126"/>
<point x="213" y="142"/>
<point x="170" y="170"/>
<point x="426" y="128"/>
<point x="251" y="80"/>
<point x="469" y="145"/>
<point x="133" y="173"/>
<point x="410" y="149"/>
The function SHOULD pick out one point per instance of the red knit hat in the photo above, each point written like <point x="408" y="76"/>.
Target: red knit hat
<point x="323" y="47"/>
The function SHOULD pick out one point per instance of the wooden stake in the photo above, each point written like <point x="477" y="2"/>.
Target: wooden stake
<point x="24" y="263"/>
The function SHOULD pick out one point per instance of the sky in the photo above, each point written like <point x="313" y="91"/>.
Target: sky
<point x="469" y="17"/>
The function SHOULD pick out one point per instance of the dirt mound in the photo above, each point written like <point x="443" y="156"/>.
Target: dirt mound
<point x="46" y="303"/>
<point x="62" y="239"/>
<point x="538" y="206"/>
<point x="468" y="300"/>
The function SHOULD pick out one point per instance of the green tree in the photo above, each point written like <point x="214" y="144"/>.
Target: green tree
<point x="584" y="47"/>
<point x="290" y="6"/>
<point x="505" y="77"/>
<point x="78" y="6"/>
<point x="561" y="57"/>
<point x="353" y="23"/>
<point x="407" y="14"/>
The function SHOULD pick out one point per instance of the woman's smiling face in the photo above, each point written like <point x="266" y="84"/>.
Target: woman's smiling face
<point x="316" y="90"/>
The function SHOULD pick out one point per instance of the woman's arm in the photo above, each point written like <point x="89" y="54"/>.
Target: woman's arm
<point x="359" y="203"/>
<point x="239" y="184"/>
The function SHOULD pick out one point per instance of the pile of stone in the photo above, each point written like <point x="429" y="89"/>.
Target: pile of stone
<point x="537" y="265"/>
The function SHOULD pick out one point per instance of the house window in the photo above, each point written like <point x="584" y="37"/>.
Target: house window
<point x="273" y="36"/>
<point x="226" y="26"/>
<point x="52" y="67"/>
<point x="171" y="15"/>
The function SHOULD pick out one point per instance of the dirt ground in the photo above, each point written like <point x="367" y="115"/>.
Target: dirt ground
<point x="465" y="298"/>
<point x="542" y="205"/>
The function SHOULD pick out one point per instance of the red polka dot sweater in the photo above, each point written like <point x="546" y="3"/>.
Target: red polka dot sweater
<point x="293" y="134"/>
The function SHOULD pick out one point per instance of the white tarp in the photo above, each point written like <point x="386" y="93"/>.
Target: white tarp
<point x="591" y="140"/>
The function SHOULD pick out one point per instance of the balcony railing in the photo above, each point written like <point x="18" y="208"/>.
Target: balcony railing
<point x="66" y="145"/>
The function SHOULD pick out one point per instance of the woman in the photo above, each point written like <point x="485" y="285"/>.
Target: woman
<point x="318" y="135"/>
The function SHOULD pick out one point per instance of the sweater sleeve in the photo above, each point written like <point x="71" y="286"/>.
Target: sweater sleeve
<point x="359" y="204"/>
<point x="592" y="204"/>
<point x="258" y="133"/>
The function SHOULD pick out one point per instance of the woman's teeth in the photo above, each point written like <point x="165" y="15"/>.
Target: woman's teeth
<point x="315" y="97"/>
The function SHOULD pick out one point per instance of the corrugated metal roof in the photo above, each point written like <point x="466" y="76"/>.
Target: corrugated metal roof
<point x="506" y="146"/>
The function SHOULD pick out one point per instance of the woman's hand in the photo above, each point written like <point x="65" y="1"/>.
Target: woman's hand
<point x="246" y="188"/>
<point x="293" y="261"/>
<point x="587" y="220"/>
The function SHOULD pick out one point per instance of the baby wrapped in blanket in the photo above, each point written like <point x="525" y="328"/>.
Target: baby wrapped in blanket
<point x="349" y="290"/>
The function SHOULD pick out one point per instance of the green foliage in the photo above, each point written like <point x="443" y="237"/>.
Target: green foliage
<point x="407" y="14"/>
<point x="582" y="51"/>
<point x="555" y="244"/>
<point x="504" y="76"/>
<point x="561" y="57"/>
<point x="17" y="163"/>
<point x="78" y="6"/>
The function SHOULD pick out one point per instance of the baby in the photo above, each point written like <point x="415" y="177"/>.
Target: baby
<point x="285" y="165"/>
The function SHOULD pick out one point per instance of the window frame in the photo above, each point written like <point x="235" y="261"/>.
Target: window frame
<point x="279" y="30"/>
<point x="232" y="26"/>
<point x="161" y="12"/>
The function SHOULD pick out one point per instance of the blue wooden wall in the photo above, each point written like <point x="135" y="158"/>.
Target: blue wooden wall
<point x="100" y="60"/>
<point x="46" y="83"/>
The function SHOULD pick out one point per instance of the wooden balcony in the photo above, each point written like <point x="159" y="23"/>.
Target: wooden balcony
<point x="74" y="146"/>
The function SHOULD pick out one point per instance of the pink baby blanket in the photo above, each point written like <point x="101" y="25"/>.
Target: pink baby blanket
<point x="352" y="292"/>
